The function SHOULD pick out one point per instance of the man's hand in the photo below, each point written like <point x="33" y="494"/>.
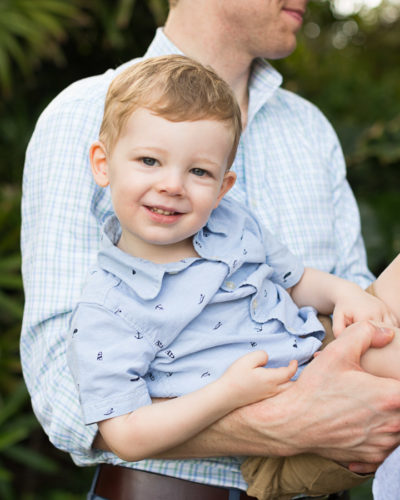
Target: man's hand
<point x="334" y="409"/>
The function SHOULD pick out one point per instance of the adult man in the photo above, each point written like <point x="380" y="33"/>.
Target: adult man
<point x="288" y="146"/>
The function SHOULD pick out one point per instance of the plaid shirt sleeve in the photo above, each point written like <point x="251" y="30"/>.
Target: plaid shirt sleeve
<point x="59" y="240"/>
<point x="350" y="254"/>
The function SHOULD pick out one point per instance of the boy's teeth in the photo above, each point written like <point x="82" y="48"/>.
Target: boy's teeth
<point x="160" y="211"/>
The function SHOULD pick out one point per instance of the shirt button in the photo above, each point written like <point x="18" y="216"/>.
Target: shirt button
<point x="255" y="304"/>
<point x="230" y="285"/>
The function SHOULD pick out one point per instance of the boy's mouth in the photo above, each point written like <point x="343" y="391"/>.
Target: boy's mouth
<point x="162" y="211"/>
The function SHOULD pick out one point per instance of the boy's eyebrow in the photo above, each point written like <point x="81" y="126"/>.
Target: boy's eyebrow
<point x="204" y="159"/>
<point x="150" y="149"/>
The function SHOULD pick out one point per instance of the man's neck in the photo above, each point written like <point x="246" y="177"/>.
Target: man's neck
<point x="209" y="46"/>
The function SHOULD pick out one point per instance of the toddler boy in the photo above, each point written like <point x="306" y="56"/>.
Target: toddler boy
<point x="190" y="297"/>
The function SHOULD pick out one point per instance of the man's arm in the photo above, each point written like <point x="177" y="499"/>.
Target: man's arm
<point x="61" y="216"/>
<point x="335" y="410"/>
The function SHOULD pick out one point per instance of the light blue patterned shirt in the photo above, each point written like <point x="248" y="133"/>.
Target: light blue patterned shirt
<point x="290" y="173"/>
<point x="143" y="330"/>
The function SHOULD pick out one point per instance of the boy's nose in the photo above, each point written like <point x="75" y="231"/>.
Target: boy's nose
<point x="172" y="184"/>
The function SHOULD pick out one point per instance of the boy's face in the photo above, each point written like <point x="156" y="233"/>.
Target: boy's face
<point x="165" y="179"/>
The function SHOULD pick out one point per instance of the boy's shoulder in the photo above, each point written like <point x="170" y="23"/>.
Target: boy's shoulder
<point x="232" y="216"/>
<point x="97" y="287"/>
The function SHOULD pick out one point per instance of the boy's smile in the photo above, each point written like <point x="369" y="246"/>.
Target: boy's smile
<point x="165" y="178"/>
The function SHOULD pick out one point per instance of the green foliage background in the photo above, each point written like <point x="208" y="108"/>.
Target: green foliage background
<point x="347" y="66"/>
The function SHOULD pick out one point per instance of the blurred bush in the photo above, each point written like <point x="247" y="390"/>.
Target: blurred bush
<point x="347" y="66"/>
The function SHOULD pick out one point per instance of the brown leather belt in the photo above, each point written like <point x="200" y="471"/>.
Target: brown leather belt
<point x="123" y="483"/>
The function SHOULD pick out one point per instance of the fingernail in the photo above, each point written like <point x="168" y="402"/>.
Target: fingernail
<point x="386" y="331"/>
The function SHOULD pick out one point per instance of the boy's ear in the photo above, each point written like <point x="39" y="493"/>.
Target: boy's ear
<point x="98" y="162"/>
<point x="227" y="183"/>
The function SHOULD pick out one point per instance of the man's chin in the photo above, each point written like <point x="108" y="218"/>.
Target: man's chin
<point x="282" y="52"/>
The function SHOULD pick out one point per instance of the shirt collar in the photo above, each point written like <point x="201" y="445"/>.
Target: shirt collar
<point x="161" y="45"/>
<point x="264" y="79"/>
<point x="230" y="236"/>
<point x="142" y="276"/>
<point x="263" y="83"/>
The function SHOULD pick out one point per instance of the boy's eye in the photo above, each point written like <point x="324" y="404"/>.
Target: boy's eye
<point x="199" y="172"/>
<point x="149" y="161"/>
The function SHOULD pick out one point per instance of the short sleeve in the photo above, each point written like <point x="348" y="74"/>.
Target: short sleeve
<point x="108" y="360"/>
<point x="287" y="267"/>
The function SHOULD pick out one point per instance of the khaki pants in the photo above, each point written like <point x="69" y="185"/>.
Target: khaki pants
<point x="281" y="478"/>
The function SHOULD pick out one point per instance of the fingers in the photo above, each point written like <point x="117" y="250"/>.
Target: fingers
<point x="361" y="468"/>
<point x="377" y="311"/>
<point x="382" y="314"/>
<point x="267" y="376"/>
<point x="259" y="358"/>
<point x="389" y="318"/>
<point x="339" y="322"/>
<point x="292" y="368"/>
<point x="381" y="335"/>
<point x="285" y="372"/>
<point x="363" y="335"/>
<point x="280" y="375"/>
<point x="253" y="359"/>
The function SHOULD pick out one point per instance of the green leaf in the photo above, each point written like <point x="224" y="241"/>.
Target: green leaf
<point x="11" y="282"/>
<point x="30" y="31"/>
<point x="5" y="475"/>
<point x="159" y="9"/>
<point x="11" y="306"/>
<point x="10" y="263"/>
<point x="5" y="71"/>
<point x="32" y="459"/>
<point x="124" y="12"/>
<point x="9" y="438"/>
<point x="14" y="402"/>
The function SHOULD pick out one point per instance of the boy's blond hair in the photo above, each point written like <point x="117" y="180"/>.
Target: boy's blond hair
<point x="174" y="87"/>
